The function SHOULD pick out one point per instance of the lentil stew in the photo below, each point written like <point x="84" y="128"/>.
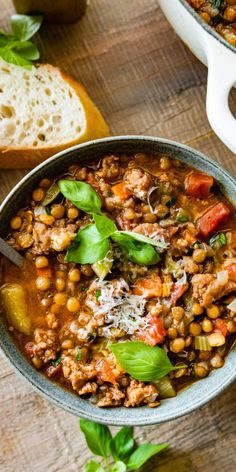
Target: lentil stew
<point x="220" y="14"/>
<point x="66" y="313"/>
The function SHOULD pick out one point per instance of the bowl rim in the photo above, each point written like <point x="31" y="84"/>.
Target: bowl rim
<point x="207" y="27"/>
<point x="51" y="390"/>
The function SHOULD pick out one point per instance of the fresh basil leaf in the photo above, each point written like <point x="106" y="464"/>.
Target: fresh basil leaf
<point x="105" y="226"/>
<point x="56" y="362"/>
<point x="10" y="56"/>
<point x="144" y="239"/>
<point x="98" y="437"/>
<point x="51" y="194"/>
<point x="141" y="361"/>
<point x="25" y="26"/>
<point x="88" y="246"/>
<point x="143" y="453"/>
<point x="27" y="50"/>
<point x="93" y="466"/>
<point x="122" y="443"/>
<point x="81" y="195"/>
<point x="119" y="467"/>
<point x="135" y="250"/>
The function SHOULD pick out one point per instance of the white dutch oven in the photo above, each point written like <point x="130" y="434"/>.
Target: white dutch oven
<point x="218" y="55"/>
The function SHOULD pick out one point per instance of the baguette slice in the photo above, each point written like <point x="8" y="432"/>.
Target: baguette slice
<point x="42" y="112"/>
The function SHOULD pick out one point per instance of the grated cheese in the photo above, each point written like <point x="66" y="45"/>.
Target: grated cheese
<point x="121" y="309"/>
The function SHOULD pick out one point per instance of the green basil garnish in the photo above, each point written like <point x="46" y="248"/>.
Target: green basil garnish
<point x="105" y="226"/>
<point x="136" y="251"/>
<point x="88" y="246"/>
<point x="142" y="361"/>
<point x="82" y="195"/>
<point x="144" y="239"/>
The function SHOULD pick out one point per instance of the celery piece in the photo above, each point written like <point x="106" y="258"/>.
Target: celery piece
<point x="202" y="343"/>
<point x="165" y="388"/>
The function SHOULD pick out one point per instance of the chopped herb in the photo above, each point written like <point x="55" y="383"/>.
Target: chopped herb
<point x="217" y="3"/>
<point x="218" y="240"/>
<point x="92" y="336"/>
<point x="182" y="217"/>
<point x="98" y="294"/>
<point x="84" y="289"/>
<point x="78" y="355"/>
<point x="48" y="212"/>
<point x="170" y="201"/>
<point x="56" y="362"/>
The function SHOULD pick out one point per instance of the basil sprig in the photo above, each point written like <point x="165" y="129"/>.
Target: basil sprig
<point x="15" y="47"/>
<point x="81" y="194"/>
<point x="121" y="449"/>
<point x="143" y="362"/>
<point x="92" y="242"/>
<point x="136" y="251"/>
<point x="88" y="246"/>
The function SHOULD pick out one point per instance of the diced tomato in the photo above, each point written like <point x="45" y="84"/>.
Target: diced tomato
<point x="177" y="292"/>
<point x="213" y="218"/>
<point x="154" y="333"/>
<point x="120" y="191"/>
<point x="45" y="272"/>
<point x="104" y="372"/>
<point x="198" y="185"/>
<point x="221" y="326"/>
<point x="150" y="287"/>
<point x="232" y="271"/>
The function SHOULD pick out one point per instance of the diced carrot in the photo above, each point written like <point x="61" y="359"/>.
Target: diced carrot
<point x="154" y="333"/>
<point x="232" y="271"/>
<point x="120" y="191"/>
<point x="150" y="287"/>
<point x="177" y="292"/>
<point x="198" y="185"/>
<point x="189" y="237"/>
<point x="221" y="326"/>
<point x="213" y="218"/>
<point x="45" y="272"/>
<point x="104" y="372"/>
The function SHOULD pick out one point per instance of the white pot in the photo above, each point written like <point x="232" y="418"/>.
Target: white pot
<point x="220" y="58"/>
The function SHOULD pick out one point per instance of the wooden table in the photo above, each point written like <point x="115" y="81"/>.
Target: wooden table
<point x="146" y="82"/>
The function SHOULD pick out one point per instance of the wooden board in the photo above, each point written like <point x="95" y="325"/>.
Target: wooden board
<point x="146" y="82"/>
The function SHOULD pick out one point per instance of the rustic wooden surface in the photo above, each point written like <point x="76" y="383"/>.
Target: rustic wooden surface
<point x="146" y="82"/>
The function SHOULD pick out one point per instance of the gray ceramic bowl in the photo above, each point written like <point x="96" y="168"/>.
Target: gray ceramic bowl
<point x="189" y="399"/>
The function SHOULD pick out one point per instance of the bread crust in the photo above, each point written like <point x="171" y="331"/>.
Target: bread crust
<point x="27" y="157"/>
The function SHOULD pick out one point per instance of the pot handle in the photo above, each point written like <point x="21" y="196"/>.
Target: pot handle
<point x="221" y="78"/>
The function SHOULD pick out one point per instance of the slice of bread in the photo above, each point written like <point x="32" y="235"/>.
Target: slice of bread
<point x="43" y="111"/>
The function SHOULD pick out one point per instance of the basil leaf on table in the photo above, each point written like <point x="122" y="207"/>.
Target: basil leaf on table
<point x="82" y="195"/>
<point x="25" y="26"/>
<point x="27" y="50"/>
<point x="136" y="251"/>
<point x="143" y="453"/>
<point x="144" y="239"/>
<point x="88" y="246"/>
<point x="93" y="466"/>
<point x="141" y="361"/>
<point x="122" y="443"/>
<point x="105" y="226"/>
<point x="98" y="437"/>
<point x="119" y="467"/>
<point x="12" y="57"/>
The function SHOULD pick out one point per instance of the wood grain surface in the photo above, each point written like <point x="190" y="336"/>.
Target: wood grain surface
<point x="145" y="81"/>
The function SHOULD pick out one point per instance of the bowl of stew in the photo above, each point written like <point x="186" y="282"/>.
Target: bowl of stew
<point x="124" y="310"/>
<point x="208" y="28"/>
